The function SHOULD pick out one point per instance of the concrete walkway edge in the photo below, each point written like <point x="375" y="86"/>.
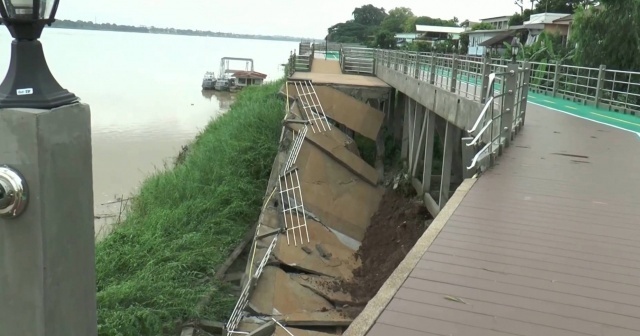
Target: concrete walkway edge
<point x="379" y="302"/>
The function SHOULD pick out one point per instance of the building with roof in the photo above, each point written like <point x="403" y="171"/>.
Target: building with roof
<point x="403" y="38"/>
<point x="436" y="33"/>
<point x="482" y="40"/>
<point x="498" y="22"/>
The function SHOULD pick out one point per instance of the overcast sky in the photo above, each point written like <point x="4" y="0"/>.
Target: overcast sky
<point x="304" y="18"/>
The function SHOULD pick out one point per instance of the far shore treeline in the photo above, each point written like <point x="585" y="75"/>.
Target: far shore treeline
<point x="602" y="32"/>
<point x="88" y="25"/>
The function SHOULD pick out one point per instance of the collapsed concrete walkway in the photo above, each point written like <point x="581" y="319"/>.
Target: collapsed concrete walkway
<point x="322" y="197"/>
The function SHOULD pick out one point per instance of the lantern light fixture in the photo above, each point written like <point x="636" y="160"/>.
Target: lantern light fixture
<point x="29" y="82"/>
<point x="515" y="47"/>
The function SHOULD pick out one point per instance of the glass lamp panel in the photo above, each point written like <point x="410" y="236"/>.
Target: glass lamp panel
<point x="19" y="9"/>
<point x="46" y="6"/>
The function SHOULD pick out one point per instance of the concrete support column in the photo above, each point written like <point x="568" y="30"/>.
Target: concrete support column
<point x="47" y="254"/>
<point x="428" y="150"/>
<point x="451" y="134"/>
<point x="457" y="173"/>
<point x="404" y="103"/>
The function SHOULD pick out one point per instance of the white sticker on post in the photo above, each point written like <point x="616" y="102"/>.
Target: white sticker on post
<point x="22" y="92"/>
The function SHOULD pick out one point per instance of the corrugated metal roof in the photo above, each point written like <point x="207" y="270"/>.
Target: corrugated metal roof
<point x="545" y="18"/>
<point x="498" y="39"/>
<point x="497" y="17"/>
<point x="439" y="29"/>
<point x="565" y="19"/>
<point x="408" y="35"/>
<point x="249" y="74"/>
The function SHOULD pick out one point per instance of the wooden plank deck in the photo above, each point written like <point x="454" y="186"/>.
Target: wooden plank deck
<point x="324" y="72"/>
<point x="545" y="243"/>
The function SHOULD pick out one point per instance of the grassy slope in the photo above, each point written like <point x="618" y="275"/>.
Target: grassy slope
<point x="155" y="267"/>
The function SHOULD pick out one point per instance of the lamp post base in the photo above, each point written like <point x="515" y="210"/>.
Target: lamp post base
<point x="47" y="254"/>
<point x="29" y="82"/>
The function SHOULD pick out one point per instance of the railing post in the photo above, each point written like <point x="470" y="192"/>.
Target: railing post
<point x="601" y="73"/>
<point x="486" y="71"/>
<point x="454" y="73"/>
<point x="508" y="103"/>
<point x="405" y="63"/>
<point x="432" y="75"/>
<point x="556" y="79"/>
<point x="524" y="95"/>
<point x="416" y="71"/>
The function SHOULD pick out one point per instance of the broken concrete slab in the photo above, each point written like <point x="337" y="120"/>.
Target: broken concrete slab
<point x="278" y="294"/>
<point x="350" y="112"/>
<point x="325" y="287"/>
<point x="347" y="110"/>
<point x="342" y="201"/>
<point x="341" y="264"/>
<point x="338" y="152"/>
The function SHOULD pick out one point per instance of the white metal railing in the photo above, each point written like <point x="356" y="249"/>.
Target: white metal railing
<point x="615" y="90"/>
<point x="298" y="139"/>
<point x="241" y="304"/>
<point x="293" y="207"/>
<point x="498" y="126"/>
<point x="311" y="106"/>
<point x="355" y="60"/>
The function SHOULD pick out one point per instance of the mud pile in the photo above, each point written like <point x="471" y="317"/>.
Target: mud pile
<point x="397" y="225"/>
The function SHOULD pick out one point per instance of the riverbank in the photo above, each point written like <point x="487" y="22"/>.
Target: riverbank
<point x="154" y="268"/>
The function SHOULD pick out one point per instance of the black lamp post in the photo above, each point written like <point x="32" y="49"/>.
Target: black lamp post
<point x="29" y="82"/>
<point x="515" y="46"/>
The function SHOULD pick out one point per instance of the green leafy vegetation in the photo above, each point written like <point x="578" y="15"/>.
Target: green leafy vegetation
<point x="157" y="265"/>
<point x="374" y="27"/>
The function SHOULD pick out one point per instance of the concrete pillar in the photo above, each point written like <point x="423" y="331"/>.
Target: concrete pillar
<point x="451" y="134"/>
<point x="456" y="171"/>
<point x="47" y="254"/>
<point x="428" y="150"/>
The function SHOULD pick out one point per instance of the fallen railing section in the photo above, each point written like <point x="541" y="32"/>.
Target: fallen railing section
<point x="292" y="204"/>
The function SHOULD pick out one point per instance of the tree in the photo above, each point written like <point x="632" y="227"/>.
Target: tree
<point x="518" y="19"/>
<point x="396" y="20"/>
<point x="608" y="35"/>
<point x="385" y="39"/>
<point x="562" y="6"/>
<point x="366" y="20"/>
<point x="523" y="3"/>
<point x="369" y="15"/>
<point x="349" y="32"/>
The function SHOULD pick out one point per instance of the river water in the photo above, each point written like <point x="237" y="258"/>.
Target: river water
<point x="145" y="97"/>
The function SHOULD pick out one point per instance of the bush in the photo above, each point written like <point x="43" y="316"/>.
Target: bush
<point x="155" y="267"/>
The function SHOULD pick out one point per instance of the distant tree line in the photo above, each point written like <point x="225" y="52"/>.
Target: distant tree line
<point x="603" y="32"/>
<point x="375" y="27"/>
<point x="88" y="25"/>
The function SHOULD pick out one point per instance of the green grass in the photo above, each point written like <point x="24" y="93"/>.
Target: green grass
<point x="156" y="266"/>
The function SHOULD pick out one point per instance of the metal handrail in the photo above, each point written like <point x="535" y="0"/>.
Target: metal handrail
<point x="615" y="90"/>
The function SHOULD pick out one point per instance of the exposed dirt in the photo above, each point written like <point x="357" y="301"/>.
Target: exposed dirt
<point x="395" y="228"/>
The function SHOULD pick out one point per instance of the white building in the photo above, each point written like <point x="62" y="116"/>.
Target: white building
<point x="498" y="22"/>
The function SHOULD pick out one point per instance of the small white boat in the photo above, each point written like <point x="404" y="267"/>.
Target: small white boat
<point x="209" y="80"/>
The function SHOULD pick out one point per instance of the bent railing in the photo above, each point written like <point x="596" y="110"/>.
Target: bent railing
<point x="503" y="90"/>
<point x="496" y="127"/>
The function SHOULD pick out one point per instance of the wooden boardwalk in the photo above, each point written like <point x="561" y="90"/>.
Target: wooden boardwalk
<point x="328" y="72"/>
<point x="545" y="243"/>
